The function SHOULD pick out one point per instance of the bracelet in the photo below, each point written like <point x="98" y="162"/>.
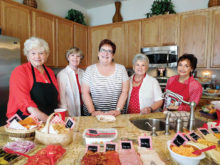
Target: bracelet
<point x="118" y="109"/>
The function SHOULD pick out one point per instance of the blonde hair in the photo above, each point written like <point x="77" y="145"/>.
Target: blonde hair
<point x="35" y="42"/>
<point x="74" y="50"/>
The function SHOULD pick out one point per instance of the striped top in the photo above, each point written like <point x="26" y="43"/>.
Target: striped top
<point x="105" y="90"/>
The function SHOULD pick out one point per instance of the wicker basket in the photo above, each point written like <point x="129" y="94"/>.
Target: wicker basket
<point x="15" y="134"/>
<point x="31" y="3"/>
<point x="46" y="138"/>
<point x="214" y="3"/>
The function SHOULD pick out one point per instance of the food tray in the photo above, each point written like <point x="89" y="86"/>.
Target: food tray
<point x="101" y="139"/>
<point x="208" y="115"/>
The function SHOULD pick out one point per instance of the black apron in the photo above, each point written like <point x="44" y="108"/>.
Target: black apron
<point x="43" y="94"/>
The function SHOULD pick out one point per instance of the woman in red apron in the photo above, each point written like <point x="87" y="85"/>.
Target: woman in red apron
<point x="183" y="84"/>
<point x="33" y="88"/>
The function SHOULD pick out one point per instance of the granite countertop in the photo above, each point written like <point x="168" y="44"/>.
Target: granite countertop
<point x="125" y="129"/>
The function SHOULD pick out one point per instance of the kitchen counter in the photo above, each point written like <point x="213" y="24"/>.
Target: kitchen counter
<point x="125" y="128"/>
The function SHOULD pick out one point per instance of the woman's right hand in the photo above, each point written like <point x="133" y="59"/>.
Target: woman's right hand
<point x="39" y="114"/>
<point x="95" y="113"/>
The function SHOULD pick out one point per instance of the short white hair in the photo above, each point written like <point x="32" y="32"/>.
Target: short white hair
<point x="141" y="57"/>
<point x="35" y="42"/>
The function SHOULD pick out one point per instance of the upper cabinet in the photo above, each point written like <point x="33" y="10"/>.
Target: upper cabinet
<point x="215" y="39"/>
<point x="96" y="35"/>
<point x="64" y="40"/>
<point x="132" y="41"/>
<point x="114" y="32"/>
<point x="16" y="22"/>
<point x="160" y="30"/>
<point x="81" y="41"/>
<point x="194" y="35"/>
<point x="44" y="27"/>
<point x="117" y="35"/>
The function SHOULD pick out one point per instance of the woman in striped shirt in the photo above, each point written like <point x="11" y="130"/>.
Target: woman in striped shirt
<point x="105" y="84"/>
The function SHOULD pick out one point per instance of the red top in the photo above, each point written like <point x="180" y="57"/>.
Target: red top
<point x="79" y="87"/>
<point x="190" y="90"/>
<point x="20" y="85"/>
<point x="134" y="105"/>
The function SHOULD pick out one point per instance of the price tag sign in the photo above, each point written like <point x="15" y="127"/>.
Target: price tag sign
<point x="203" y="131"/>
<point x="14" y="117"/>
<point x="215" y="130"/>
<point x="92" y="147"/>
<point x="179" y="140"/>
<point x="110" y="146"/>
<point x="145" y="141"/>
<point x="70" y="123"/>
<point x="126" y="145"/>
<point x="186" y="137"/>
<point x="193" y="136"/>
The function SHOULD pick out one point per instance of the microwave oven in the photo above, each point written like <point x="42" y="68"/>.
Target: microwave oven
<point x="163" y="56"/>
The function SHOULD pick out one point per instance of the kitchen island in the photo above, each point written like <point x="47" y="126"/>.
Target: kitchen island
<point x="126" y="129"/>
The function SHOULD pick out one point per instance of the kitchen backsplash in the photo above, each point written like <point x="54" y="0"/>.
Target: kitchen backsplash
<point x="171" y="72"/>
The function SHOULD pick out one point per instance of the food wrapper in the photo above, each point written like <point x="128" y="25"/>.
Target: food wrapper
<point x="106" y="118"/>
<point x="51" y="130"/>
<point x="57" y="120"/>
<point x="15" y="125"/>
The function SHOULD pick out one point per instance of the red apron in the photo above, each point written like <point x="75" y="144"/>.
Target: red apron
<point x="179" y="88"/>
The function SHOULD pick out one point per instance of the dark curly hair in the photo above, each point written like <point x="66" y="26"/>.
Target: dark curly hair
<point x="108" y="42"/>
<point x="192" y="59"/>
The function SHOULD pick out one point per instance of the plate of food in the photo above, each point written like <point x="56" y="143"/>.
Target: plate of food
<point x="211" y="92"/>
<point x="208" y="111"/>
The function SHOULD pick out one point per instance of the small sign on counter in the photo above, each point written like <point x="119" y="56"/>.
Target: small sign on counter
<point x="145" y="141"/>
<point x="110" y="146"/>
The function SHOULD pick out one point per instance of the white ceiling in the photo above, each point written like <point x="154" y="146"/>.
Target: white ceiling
<point x="88" y="4"/>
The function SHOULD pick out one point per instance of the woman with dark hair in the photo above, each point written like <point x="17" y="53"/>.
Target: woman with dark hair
<point x="183" y="84"/>
<point x="105" y="84"/>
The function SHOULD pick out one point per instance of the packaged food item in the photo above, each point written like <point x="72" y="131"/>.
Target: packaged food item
<point x="149" y="156"/>
<point x="20" y="146"/>
<point x="41" y="157"/>
<point x="101" y="158"/>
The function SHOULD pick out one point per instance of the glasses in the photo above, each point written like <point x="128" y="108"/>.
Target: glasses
<point x="106" y="51"/>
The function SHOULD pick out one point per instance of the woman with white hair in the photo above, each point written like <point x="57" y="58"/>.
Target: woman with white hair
<point x="145" y="95"/>
<point x="33" y="88"/>
<point x="69" y="80"/>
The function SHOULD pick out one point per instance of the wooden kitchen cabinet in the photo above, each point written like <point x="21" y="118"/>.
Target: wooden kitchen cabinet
<point x="215" y="39"/>
<point x="16" y="22"/>
<point x="64" y="40"/>
<point x="150" y="32"/>
<point x="117" y="35"/>
<point x="81" y="41"/>
<point x="132" y="41"/>
<point x="194" y="35"/>
<point x="160" y="30"/>
<point x="43" y="26"/>
<point x="114" y="32"/>
<point x="96" y="35"/>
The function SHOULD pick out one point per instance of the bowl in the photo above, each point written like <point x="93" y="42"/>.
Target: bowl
<point x="183" y="160"/>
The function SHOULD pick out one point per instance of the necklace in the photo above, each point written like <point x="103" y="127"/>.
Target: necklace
<point x="139" y="80"/>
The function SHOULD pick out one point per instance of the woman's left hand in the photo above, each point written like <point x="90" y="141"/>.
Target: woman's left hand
<point x="145" y="110"/>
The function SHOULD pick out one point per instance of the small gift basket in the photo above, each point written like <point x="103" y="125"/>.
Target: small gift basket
<point x="21" y="130"/>
<point x="54" y="132"/>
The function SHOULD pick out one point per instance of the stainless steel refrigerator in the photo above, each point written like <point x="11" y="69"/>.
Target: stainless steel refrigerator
<point x="9" y="59"/>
